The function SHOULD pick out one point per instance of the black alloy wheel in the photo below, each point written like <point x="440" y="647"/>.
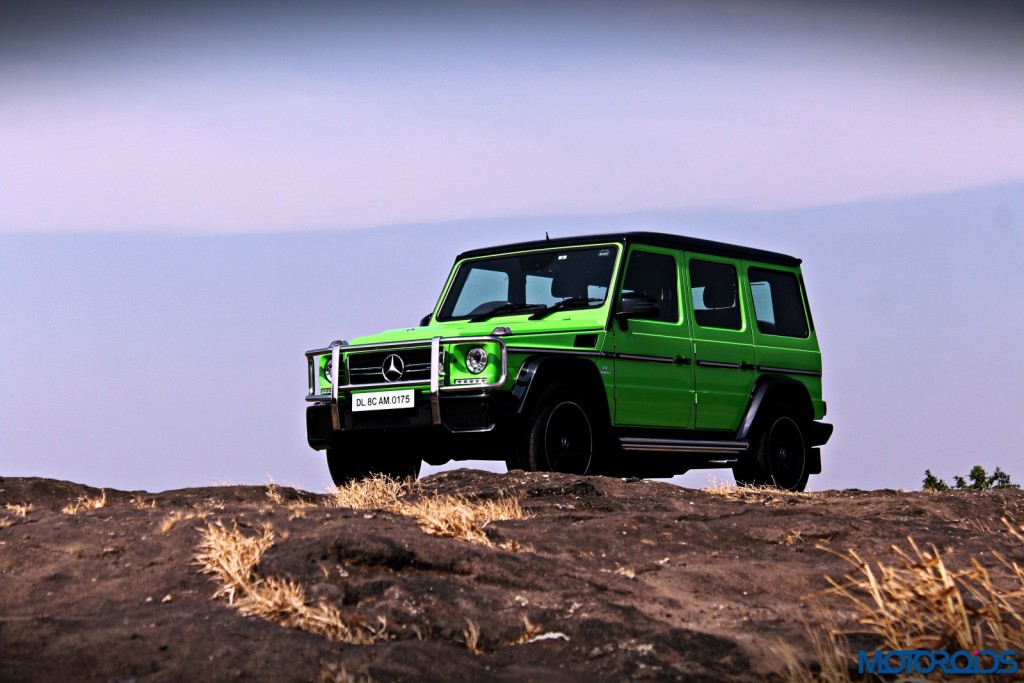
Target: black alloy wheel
<point x="562" y="435"/>
<point x="782" y="455"/>
<point x="568" y="439"/>
<point x="778" y="453"/>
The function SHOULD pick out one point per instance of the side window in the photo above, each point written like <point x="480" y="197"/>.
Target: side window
<point x="713" y="287"/>
<point x="777" y="303"/>
<point x="654" y="276"/>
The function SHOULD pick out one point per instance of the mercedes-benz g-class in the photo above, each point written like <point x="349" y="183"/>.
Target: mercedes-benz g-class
<point x="635" y="354"/>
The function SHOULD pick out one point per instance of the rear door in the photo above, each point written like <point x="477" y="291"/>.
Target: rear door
<point x="723" y="348"/>
<point x="786" y="343"/>
<point x="653" y="370"/>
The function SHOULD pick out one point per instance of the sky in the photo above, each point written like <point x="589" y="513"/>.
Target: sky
<point x="192" y="195"/>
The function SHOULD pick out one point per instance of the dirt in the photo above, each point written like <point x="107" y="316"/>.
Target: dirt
<point x="619" y="580"/>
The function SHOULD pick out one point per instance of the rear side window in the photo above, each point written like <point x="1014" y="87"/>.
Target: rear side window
<point x="713" y="287"/>
<point x="654" y="276"/>
<point x="777" y="303"/>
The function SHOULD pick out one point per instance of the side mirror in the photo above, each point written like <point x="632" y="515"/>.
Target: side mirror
<point x="425" y="320"/>
<point x="637" y="306"/>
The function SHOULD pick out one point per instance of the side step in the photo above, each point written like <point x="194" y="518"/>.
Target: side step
<point x="636" y="444"/>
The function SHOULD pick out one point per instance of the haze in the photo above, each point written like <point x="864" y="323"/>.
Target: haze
<point x="192" y="195"/>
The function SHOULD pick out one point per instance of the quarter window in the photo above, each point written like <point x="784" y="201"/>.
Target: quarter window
<point x="777" y="303"/>
<point x="713" y="287"/>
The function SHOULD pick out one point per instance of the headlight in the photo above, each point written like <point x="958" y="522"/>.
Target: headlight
<point x="328" y="368"/>
<point x="476" y="360"/>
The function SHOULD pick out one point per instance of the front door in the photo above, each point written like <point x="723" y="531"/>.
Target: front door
<point x="653" y="374"/>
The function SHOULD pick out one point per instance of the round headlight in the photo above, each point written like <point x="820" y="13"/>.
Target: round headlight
<point x="328" y="368"/>
<point x="476" y="360"/>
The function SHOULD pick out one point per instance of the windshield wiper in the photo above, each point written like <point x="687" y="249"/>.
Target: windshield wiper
<point x="503" y="308"/>
<point x="571" y="302"/>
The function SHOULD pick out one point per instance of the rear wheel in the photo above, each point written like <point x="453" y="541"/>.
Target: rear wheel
<point x="562" y="433"/>
<point x="358" y="458"/>
<point x="779" y="453"/>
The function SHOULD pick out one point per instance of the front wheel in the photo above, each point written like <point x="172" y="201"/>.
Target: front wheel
<point x="359" y="458"/>
<point x="779" y="454"/>
<point x="562" y="435"/>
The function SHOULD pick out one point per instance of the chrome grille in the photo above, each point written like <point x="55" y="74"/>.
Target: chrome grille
<point x="368" y="368"/>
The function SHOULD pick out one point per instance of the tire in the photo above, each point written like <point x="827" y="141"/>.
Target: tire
<point x="359" y="458"/>
<point x="747" y="472"/>
<point x="779" y="455"/>
<point x="562" y="434"/>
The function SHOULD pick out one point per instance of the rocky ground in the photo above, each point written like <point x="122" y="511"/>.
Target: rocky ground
<point x="607" y="580"/>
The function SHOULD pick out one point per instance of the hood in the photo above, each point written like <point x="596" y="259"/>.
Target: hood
<point x="521" y="326"/>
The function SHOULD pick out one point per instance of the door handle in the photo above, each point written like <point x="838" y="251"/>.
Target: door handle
<point x="747" y="366"/>
<point x="682" y="361"/>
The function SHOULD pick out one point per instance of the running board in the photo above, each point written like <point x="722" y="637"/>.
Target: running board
<point x="683" y="446"/>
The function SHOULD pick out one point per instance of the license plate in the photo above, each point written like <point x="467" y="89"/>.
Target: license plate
<point x="383" y="400"/>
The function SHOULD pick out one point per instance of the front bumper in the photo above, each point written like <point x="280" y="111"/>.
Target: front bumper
<point x="472" y="415"/>
<point x="442" y="410"/>
<point x="436" y="363"/>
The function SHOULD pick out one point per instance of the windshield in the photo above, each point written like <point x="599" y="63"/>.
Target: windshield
<point x="530" y="282"/>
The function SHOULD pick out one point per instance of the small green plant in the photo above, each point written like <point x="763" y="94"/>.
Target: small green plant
<point x="980" y="480"/>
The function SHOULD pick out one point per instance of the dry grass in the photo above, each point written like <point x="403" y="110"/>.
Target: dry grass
<point x="199" y="512"/>
<point x="919" y="602"/>
<point x="753" y="494"/>
<point x="20" y="509"/>
<point x="274" y="493"/>
<point x="922" y="604"/>
<point x="86" y="503"/>
<point x="445" y="515"/>
<point x="298" y="507"/>
<point x="829" y="647"/>
<point x="142" y="504"/>
<point x="379" y="492"/>
<point x="791" y="537"/>
<point x="204" y="509"/>
<point x="462" y="518"/>
<point x="472" y="637"/>
<point x="171" y="520"/>
<point x="530" y="631"/>
<point x="231" y="556"/>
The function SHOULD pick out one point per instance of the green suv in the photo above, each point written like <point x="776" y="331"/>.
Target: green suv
<point x="633" y="354"/>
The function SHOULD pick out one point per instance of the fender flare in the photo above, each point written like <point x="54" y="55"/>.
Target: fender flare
<point x="539" y="369"/>
<point x="767" y="389"/>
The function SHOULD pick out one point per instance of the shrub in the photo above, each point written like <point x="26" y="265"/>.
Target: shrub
<point x="980" y="480"/>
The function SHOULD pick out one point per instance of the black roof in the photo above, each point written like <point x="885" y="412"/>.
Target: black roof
<point x="659" y="239"/>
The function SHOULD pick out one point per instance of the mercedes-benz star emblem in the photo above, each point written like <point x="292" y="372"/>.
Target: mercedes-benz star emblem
<point x="393" y="368"/>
